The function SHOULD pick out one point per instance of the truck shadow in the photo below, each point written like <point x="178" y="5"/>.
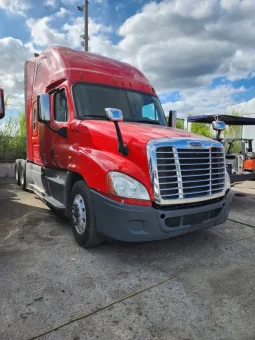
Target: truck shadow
<point x="17" y="213"/>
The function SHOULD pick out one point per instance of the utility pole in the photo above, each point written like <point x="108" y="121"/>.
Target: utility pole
<point x="85" y="36"/>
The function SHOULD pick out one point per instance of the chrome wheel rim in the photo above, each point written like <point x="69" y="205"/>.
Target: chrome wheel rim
<point x="17" y="174"/>
<point x="79" y="217"/>
<point x="22" y="179"/>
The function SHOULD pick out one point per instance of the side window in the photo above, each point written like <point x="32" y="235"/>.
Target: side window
<point x="60" y="107"/>
<point x="149" y="111"/>
<point x="34" y="119"/>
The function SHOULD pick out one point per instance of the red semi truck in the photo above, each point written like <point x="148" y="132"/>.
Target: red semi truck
<point x="2" y="109"/>
<point x="99" y="149"/>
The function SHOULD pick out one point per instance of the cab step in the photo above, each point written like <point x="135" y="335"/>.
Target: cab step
<point x="52" y="202"/>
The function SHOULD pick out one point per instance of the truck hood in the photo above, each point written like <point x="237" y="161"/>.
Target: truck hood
<point x="131" y="132"/>
<point x="98" y="144"/>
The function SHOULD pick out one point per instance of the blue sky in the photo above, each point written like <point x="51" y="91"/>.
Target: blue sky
<point x="115" y="12"/>
<point x="199" y="55"/>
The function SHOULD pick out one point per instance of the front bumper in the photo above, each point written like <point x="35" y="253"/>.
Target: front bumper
<point x="132" y="223"/>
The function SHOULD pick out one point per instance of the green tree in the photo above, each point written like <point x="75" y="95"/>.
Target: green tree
<point x="22" y="131"/>
<point x="234" y="131"/>
<point x="13" y="138"/>
<point x="14" y="127"/>
<point x="180" y="124"/>
<point x="201" y="129"/>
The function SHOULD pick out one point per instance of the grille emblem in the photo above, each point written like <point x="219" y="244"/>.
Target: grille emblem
<point x="195" y="144"/>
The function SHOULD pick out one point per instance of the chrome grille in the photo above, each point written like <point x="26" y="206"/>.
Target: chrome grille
<point x="187" y="174"/>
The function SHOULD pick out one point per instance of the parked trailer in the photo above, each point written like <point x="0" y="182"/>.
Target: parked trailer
<point x="241" y="165"/>
<point x="101" y="152"/>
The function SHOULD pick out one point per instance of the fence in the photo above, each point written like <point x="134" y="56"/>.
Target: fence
<point x="12" y="148"/>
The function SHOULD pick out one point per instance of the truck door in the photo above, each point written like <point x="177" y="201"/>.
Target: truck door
<point x="60" y="145"/>
<point x="35" y="136"/>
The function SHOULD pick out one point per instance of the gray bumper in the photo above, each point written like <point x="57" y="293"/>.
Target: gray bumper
<point x="132" y="223"/>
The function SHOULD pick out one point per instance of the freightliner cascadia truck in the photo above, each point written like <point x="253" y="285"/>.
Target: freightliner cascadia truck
<point x="100" y="150"/>
<point x="2" y="109"/>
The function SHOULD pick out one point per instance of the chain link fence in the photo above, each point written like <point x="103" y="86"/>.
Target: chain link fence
<point x="12" y="148"/>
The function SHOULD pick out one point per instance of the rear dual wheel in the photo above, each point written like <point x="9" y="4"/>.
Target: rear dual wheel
<point x="20" y="173"/>
<point x="17" y="171"/>
<point x="23" y="183"/>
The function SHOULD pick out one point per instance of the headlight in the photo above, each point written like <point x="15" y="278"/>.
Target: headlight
<point x="125" y="186"/>
<point x="227" y="181"/>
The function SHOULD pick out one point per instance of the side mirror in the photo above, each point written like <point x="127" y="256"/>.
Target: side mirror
<point x="43" y="104"/>
<point x="218" y="125"/>
<point x="2" y="108"/>
<point x="114" y="115"/>
<point x="172" y="119"/>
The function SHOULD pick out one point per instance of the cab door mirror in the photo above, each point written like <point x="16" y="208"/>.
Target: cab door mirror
<point x="218" y="125"/>
<point x="114" y="115"/>
<point x="172" y="119"/>
<point x="43" y="103"/>
<point x="2" y="106"/>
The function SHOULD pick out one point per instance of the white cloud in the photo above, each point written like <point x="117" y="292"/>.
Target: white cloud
<point x="71" y="2"/>
<point x="14" y="7"/>
<point x="43" y="34"/>
<point x="75" y="29"/>
<point x="244" y="107"/>
<point x="178" y="44"/>
<point x="80" y="2"/>
<point x="185" y="43"/>
<point x="14" y="52"/>
<point x="62" y="12"/>
<point x="51" y="3"/>
<point x="13" y="55"/>
<point x="204" y="101"/>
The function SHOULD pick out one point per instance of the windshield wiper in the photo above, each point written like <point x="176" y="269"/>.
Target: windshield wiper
<point x="94" y="117"/>
<point x="147" y="121"/>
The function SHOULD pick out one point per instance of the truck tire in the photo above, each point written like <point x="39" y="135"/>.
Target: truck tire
<point x="22" y="174"/>
<point x="17" y="171"/>
<point x="83" y="216"/>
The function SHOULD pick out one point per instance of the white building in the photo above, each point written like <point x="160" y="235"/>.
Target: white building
<point x="249" y="131"/>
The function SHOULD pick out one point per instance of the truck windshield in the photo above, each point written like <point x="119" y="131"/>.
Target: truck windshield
<point x="91" y="101"/>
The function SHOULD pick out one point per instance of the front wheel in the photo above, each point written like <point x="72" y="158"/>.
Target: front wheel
<point x="83" y="216"/>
